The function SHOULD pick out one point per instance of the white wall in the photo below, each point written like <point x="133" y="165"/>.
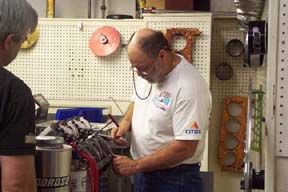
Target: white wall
<point x="222" y="6"/>
<point x="79" y="8"/>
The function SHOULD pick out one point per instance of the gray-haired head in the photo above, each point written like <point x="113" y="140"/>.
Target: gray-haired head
<point x="150" y="41"/>
<point x="18" y="17"/>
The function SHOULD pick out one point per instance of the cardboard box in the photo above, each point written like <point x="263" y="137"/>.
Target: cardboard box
<point x="158" y="4"/>
<point x="170" y="4"/>
<point x="188" y="5"/>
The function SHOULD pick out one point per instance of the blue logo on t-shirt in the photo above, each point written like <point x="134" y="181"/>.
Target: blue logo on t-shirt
<point x="163" y="100"/>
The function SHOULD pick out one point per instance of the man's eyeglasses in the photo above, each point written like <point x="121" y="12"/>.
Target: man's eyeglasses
<point x="145" y="71"/>
<point x="148" y="69"/>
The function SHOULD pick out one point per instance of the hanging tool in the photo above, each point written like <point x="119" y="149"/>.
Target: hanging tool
<point x="104" y="41"/>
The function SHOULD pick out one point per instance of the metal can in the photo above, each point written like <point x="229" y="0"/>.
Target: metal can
<point x="78" y="182"/>
<point x="53" y="163"/>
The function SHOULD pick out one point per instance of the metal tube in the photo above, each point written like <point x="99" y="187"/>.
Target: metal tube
<point x="103" y="8"/>
<point x="89" y="8"/>
<point x="247" y="161"/>
<point x="50" y="8"/>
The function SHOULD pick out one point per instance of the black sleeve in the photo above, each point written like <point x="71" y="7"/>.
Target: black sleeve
<point x="18" y="113"/>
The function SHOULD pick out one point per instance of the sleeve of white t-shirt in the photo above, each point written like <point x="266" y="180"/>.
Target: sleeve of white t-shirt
<point x="190" y="119"/>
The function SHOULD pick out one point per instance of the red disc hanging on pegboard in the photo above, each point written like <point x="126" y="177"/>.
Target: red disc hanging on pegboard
<point x="104" y="41"/>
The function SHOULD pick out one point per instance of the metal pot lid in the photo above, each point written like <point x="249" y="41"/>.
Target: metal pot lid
<point x="234" y="47"/>
<point x="104" y="41"/>
<point x="49" y="141"/>
<point x="224" y="71"/>
<point x="119" y="16"/>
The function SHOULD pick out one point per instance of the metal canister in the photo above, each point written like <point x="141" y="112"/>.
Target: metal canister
<point x="79" y="177"/>
<point x="53" y="163"/>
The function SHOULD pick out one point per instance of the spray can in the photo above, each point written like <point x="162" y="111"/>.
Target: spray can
<point x="53" y="164"/>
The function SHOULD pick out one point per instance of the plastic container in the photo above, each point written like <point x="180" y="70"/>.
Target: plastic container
<point x="89" y="113"/>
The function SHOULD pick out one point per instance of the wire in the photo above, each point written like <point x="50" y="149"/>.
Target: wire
<point x="93" y="171"/>
<point x="116" y="105"/>
<point x="113" y="120"/>
<point x="134" y="85"/>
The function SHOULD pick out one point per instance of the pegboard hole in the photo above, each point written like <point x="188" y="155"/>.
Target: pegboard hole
<point x="284" y="5"/>
<point x="234" y="109"/>
<point x="280" y="133"/>
<point x="280" y="141"/>
<point x="281" y="96"/>
<point x="229" y="159"/>
<point x="233" y="125"/>
<point x="178" y="42"/>
<point x="231" y="142"/>
<point x="282" y="69"/>
<point x="280" y="150"/>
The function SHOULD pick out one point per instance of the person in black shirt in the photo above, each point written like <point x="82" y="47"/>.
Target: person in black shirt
<point x="17" y="109"/>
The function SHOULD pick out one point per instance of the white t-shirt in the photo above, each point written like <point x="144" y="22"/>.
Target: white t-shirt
<point x="177" y="109"/>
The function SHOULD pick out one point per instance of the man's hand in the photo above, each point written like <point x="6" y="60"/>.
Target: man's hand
<point x="117" y="133"/>
<point x="124" y="125"/>
<point x="124" y="166"/>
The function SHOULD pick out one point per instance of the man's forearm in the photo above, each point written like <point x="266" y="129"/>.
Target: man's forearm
<point x="125" y="122"/>
<point x="18" y="173"/>
<point x="168" y="156"/>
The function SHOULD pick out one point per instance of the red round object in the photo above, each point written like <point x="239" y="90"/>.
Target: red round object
<point x="104" y="41"/>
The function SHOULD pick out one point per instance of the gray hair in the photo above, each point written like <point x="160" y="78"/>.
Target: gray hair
<point x="18" y="17"/>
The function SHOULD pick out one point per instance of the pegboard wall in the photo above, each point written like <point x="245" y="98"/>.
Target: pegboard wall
<point x="201" y="48"/>
<point x="62" y="67"/>
<point x="223" y="31"/>
<point x="282" y="83"/>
